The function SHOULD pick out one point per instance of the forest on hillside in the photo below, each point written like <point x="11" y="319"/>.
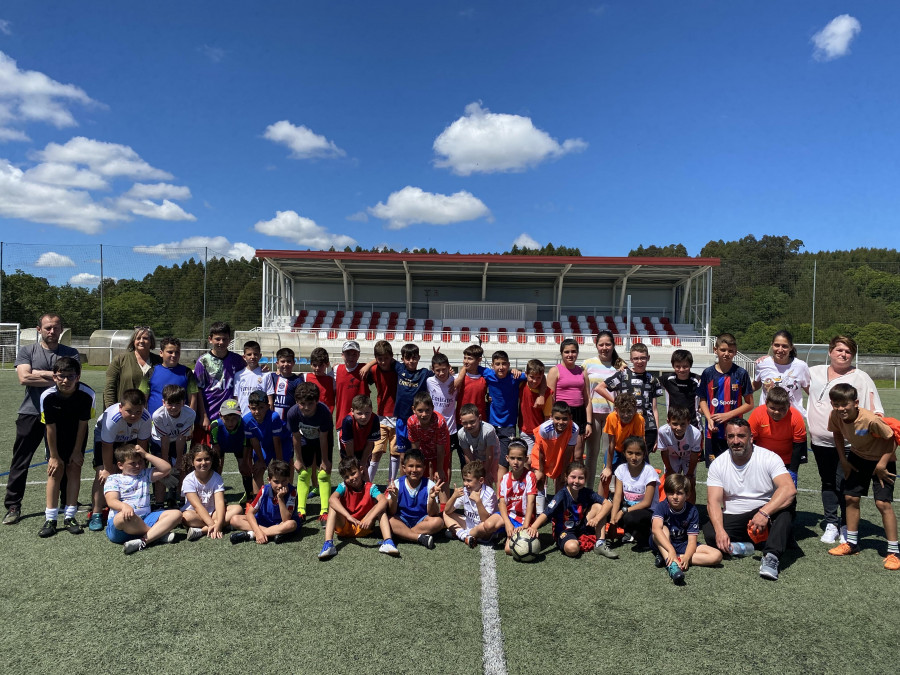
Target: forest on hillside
<point x="762" y="285"/>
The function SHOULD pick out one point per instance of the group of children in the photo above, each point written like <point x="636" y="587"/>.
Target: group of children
<point x="510" y="430"/>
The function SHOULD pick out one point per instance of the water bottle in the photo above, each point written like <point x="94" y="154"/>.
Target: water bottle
<point x="741" y="548"/>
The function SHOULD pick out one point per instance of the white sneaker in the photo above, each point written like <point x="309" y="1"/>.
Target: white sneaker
<point x="831" y="534"/>
<point x="843" y="534"/>
<point x="195" y="533"/>
<point x="389" y="548"/>
<point x="168" y="538"/>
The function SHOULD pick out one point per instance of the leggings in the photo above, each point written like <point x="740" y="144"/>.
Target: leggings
<point x="832" y="475"/>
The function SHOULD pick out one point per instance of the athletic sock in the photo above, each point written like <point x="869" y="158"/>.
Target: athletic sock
<point x="395" y="467"/>
<point x="71" y="510"/>
<point x="853" y="537"/>
<point x="51" y="514"/>
<point x="303" y="484"/>
<point x="324" y="490"/>
<point x="892" y="548"/>
<point x="248" y="487"/>
<point x="540" y="501"/>
<point x="461" y="534"/>
<point x="373" y="469"/>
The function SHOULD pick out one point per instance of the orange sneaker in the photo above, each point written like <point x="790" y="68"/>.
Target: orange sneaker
<point x="892" y="562"/>
<point x="844" y="549"/>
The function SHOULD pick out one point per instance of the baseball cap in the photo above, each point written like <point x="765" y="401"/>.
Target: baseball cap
<point x="350" y="344"/>
<point x="230" y="407"/>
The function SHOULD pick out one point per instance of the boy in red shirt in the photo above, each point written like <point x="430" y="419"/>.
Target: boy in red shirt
<point x="535" y="401"/>
<point x="319" y="376"/>
<point x="779" y="427"/>
<point x="384" y="377"/>
<point x="473" y="387"/>
<point x="347" y="380"/>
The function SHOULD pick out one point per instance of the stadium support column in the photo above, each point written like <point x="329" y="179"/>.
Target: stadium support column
<point x="348" y="280"/>
<point x="708" y="317"/>
<point x="484" y="282"/>
<point x="408" y="290"/>
<point x="624" y="280"/>
<point x="559" y="289"/>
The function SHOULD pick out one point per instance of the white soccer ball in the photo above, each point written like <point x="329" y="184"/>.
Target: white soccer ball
<point x="524" y="547"/>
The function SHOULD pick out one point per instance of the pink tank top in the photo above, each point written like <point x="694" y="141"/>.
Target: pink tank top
<point x="570" y="385"/>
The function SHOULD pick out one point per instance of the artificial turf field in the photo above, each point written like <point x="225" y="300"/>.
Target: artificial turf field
<point x="76" y="604"/>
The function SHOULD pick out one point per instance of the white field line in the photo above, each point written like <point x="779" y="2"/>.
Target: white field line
<point x="493" y="657"/>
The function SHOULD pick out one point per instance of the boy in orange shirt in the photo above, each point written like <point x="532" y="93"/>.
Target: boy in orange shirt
<point x="779" y="427"/>
<point x="554" y="448"/>
<point x="621" y="423"/>
<point x="532" y="412"/>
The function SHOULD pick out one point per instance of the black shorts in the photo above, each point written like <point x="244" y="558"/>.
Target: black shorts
<point x="65" y="453"/>
<point x="579" y="416"/>
<point x="714" y="448"/>
<point x="857" y="483"/>
<point x="311" y="451"/>
<point x="504" y="435"/>
<point x="650" y="439"/>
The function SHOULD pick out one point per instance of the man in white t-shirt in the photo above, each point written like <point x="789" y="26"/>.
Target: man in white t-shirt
<point x="748" y="489"/>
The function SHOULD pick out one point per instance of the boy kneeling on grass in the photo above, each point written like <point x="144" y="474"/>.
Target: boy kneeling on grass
<point x="131" y="521"/>
<point x="273" y="512"/>
<point x="354" y="506"/>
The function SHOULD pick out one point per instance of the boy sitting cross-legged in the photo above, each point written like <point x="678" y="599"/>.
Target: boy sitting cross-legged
<point x="355" y="506"/>
<point x="479" y="523"/>
<point x="414" y="502"/>
<point x="131" y="521"/>
<point x="273" y="512"/>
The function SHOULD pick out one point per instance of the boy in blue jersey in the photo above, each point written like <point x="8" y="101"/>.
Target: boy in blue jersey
<point x="171" y="371"/>
<point x="675" y="526"/>
<point x="503" y="388"/>
<point x="273" y="512"/>
<point x="722" y="389"/>
<point x="311" y="429"/>
<point x="281" y="384"/>
<point x="263" y="431"/>
<point x="414" y="503"/>
<point x="66" y="408"/>
<point x="228" y="437"/>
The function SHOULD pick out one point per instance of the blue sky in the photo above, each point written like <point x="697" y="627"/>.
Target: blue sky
<point x="462" y="126"/>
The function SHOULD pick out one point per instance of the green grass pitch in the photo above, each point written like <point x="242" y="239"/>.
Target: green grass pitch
<point x="74" y="605"/>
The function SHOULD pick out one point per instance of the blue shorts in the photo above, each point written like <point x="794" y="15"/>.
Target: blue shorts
<point x="515" y="523"/>
<point x="401" y="439"/>
<point x="409" y="522"/>
<point x="679" y="546"/>
<point x="566" y="536"/>
<point x="118" y="536"/>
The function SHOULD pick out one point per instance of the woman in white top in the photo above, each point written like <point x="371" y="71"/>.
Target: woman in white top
<point x="841" y="352"/>
<point x="782" y="368"/>
<point x="597" y="370"/>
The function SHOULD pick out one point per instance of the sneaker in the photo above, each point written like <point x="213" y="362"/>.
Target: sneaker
<point x="844" y="549"/>
<point x="72" y="526"/>
<point x="195" y="533"/>
<point x="659" y="561"/>
<point x="627" y="538"/>
<point x="892" y="562"/>
<point x="48" y="530"/>
<point x="769" y="567"/>
<point x="469" y="541"/>
<point x="448" y="534"/>
<point x="323" y="520"/>
<point x="604" y="550"/>
<point x="281" y="538"/>
<point x="241" y="535"/>
<point x="243" y="500"/>
<point x="388" y="547"/>
<point x="831" y="534"/>
<point x="134" y="545"/>
<point x="843" y="536"/>
<point x="328" y="551"/>
<point x="12" y="515"/>
<point x="168" y="538"/>
<point x="677" y="574"/>
<point x="95" y="524"/>
<point x="426" y="540"/>
<point x="313" y="491"/>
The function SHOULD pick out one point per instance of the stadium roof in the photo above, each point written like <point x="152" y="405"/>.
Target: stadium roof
<point x="319" y="264"/>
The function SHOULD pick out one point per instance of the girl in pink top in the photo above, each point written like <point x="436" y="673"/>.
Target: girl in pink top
<point x="570" y="386"/>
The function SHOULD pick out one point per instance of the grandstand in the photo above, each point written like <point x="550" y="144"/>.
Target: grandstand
<point x="525" y="305"/>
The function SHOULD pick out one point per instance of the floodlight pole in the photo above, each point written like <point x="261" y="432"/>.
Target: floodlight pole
<point x="812" y="330"/>
<point x="101" y="286"/>
<point x="205" y="265"/>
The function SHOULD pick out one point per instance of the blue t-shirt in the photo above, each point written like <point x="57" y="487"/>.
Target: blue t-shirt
<point x="232" y="442"/>
<point x="568" y="514"/>
<point x="504" y="392"/>
<point x="265" y="432"/>
<point x="681" y="524"/>
<point x="409" y="384"/>
<point x="723" y="392"/>
<point x="265" y="506"/>
<point x="160" y="376"/>
<point x="282" y="388"/>
<point x="310" y="428"/>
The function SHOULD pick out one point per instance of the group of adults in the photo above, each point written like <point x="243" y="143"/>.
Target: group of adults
<point x="34" y="364"/>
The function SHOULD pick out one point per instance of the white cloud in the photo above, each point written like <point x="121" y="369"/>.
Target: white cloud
<point x="39" y="203"/>
<point x="484" y="142"/>
<point x="54" y="259"/>
<point x="359" y="217"/>
<point x="86" y="279"/>
<point x="214" y="54"/>
<point x="293" y="227"/>
<point x="65" y="175"/>
<point x="30" y="96"/>
<point x="525" y="240"/>
<point x="834" y="40"/>
<point x="165" y="211"/>
<point x="303" y="142"/>
<point x="158" y="191"/>
<point x="110" y="160"/>
<point x="5" y="27"/>
<point x="211" y="246"/>
<point x="413" y="205"/>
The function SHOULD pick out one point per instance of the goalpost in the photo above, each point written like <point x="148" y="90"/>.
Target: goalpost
<point x="9" y="344"/>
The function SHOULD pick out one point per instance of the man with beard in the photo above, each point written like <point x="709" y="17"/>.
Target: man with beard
<point x="750" y="495"/>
